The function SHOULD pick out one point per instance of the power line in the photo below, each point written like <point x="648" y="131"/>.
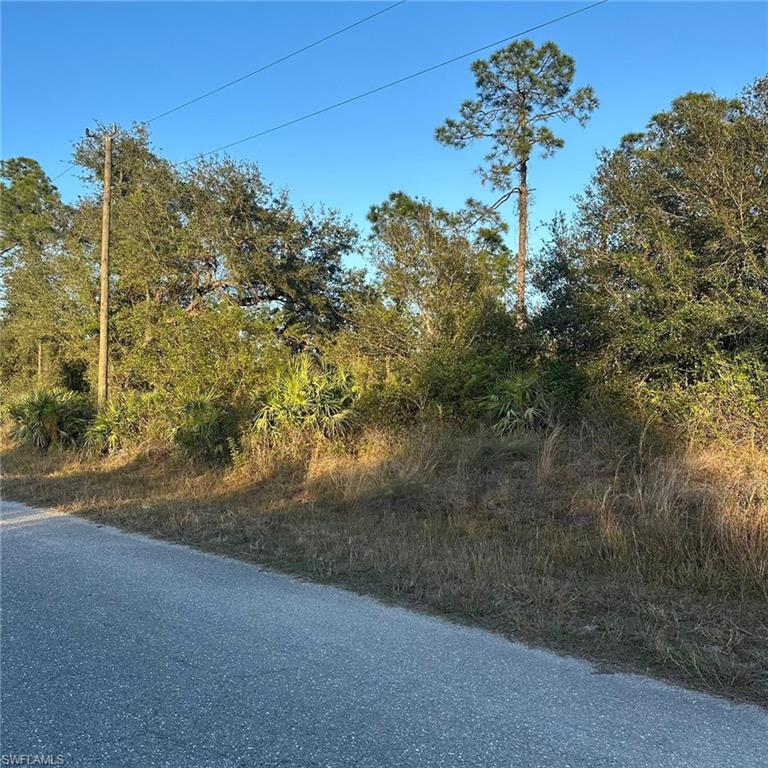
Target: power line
<point x="359" y="96"/>
<point x="275" y="62"/>
<point x="257" y="71"/>
<point x="391" y="84"/>
<point x="63" y="173"/>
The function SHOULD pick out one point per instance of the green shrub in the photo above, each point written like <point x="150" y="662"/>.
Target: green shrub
<point x="729" y="401"/>
<point x="119" y="422"/>
<point x="207" y="430"/>
<point x="566" y="384"/>
<point x="394" y="400"/>
<point x="51" y="417"/>
<point x="73" y="375"/>
<point x="311" y="396"/>
<point x="453" y="381"/>
<point x="517" y="402"/>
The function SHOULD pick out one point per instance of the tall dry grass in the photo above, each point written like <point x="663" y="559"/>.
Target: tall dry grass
<point x="695" y="518"/>
<point x="698" y="518"/>
<point x="647" y="561"/>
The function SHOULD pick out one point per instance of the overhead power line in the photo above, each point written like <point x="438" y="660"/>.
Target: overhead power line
<point x="358" y="96"/>
<point x="275" y="62"/>
<point x="269" y="65"/>
<point x="392" y="83"/>
<point x="64" y="172"/>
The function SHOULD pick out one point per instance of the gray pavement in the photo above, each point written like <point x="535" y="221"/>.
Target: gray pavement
<point x="120" y="650"/>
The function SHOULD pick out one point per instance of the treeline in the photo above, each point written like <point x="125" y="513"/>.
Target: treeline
<point x="234" y="317"/>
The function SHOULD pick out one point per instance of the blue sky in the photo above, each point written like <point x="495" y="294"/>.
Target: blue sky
<point x="65" y="65"/>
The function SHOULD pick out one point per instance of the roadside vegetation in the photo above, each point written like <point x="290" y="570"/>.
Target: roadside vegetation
<point x="587" y="471"/>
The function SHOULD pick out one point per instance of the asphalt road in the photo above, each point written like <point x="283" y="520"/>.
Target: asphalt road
<point x="119" y="650"/>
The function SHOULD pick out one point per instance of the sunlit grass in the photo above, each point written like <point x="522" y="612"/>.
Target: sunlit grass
<point x="656" y="563"/>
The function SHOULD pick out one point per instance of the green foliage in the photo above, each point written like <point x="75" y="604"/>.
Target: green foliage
<point x="45" y="296"/>
<point x="451" y="380"/>
<point x="311" y="396"/>
<point x="654" y="296"/>
<point x="73" y="374"/>
<point x="435" y="332"/>
<point x="51" y="417"/>
<point x="201" y="254"/>
<point x="32" y="211"/>
<point x="729" y="401"/>
<point x="206" y="429"/>
<point x="212" y="232"/>
<point x="520" y="90"/>
<point x="222" y="349"/>
<point x="119" y="423"/>
<point x="659" y="286"/>
<point x="517" y="402"/>
<point x="439" y="267"/>
<point x="566" y="385"/>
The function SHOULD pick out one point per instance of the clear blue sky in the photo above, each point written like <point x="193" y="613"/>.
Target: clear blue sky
<point x="65" y="65"/>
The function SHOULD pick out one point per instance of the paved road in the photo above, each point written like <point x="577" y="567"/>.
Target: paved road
<point x="119" y="650"/>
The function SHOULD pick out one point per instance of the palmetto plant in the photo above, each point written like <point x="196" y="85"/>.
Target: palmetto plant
<point x="51" y="417"/>
<point x="207" y="429"/>
<point x="311" y="396"/>
<point x="516" y="402"/>
<point x="117" y="423"/>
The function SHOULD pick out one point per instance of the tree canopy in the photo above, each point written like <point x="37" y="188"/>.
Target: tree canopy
<point x="661" y="279"/>
<point x="520" y="89"/>
<point x="653" y="295"/>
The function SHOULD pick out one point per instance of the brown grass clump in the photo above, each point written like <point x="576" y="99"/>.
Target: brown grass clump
<point x="651" y="563"/>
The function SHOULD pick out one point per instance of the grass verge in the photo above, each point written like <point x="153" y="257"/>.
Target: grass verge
<point x="657" y="565"/>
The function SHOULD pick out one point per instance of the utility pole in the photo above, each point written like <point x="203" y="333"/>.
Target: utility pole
<point x="103" y="384"/>
<point x="522" y="247"/>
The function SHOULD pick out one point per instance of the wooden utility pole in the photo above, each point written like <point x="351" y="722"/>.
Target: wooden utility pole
<point x="522" y="247"/>
<point x="103" y="385"/>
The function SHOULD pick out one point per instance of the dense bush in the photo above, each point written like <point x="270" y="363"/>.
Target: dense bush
<point x="118" y="424"/>
<point x="222" y="349"/>
<point x="652" y="301"/>
<point x="728" y="402"/>
<point x="517" y="402"/>
<point x="51" y="417"/>
<point x="207" y="429"/>
<point x="308" y="395"/>
<point x="657" y="290"/>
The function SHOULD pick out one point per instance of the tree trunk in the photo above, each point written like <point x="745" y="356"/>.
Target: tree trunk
<point x="522" y="245"/>
<point x="103" y="378"/>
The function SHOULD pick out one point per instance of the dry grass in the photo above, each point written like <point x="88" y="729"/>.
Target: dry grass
<point x="653" y="564"/>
